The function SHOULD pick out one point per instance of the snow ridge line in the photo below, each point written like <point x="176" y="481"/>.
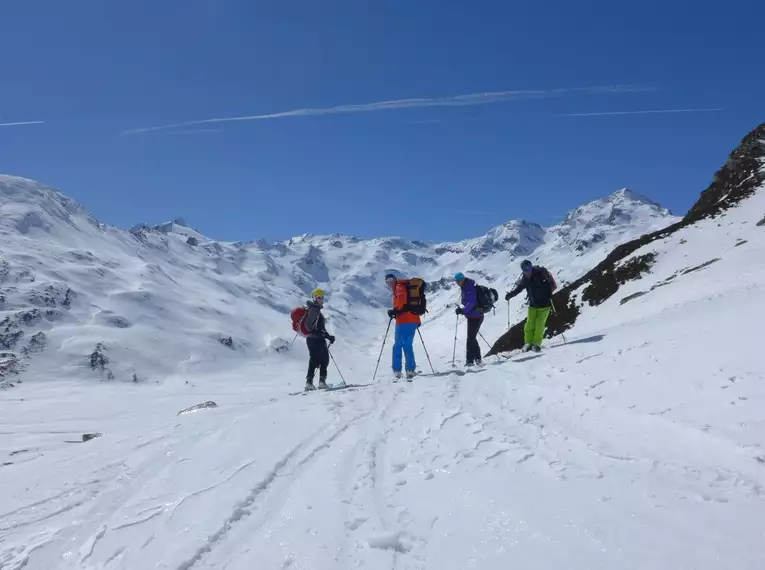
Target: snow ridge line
<point x="245" y="507"/>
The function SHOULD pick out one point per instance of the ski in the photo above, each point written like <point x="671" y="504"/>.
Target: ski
<point x="332" y="388"/>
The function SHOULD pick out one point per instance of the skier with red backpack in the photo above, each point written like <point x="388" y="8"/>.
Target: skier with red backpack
<point x="539" y="284"/>
<point x="408" y="305"/>
<point x="310" y="322"/>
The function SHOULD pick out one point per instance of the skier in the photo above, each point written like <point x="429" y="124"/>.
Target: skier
<point x="406" y="327"/>
<point x="473" y="316"/>
<point x="539" y="284"/>
<point x="317" y="341"/>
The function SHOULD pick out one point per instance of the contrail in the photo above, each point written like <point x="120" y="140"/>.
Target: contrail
<point x="453" y="101"/>
<point x="21" y="123"/>
<point x="646" y="112"/>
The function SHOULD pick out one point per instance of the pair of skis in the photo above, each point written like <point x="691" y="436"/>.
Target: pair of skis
<point x="332" y="388"/>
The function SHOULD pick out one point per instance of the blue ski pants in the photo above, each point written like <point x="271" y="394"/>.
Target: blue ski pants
<point x="404" y="339"/>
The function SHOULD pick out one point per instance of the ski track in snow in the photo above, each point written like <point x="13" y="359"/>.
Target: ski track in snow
<point x="451" y="471"/>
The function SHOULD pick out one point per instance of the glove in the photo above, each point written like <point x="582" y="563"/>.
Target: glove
<point x="459" y="311"/>
<point x="331" y="339"/>
<point x="392" y="313"/>
<point x="508" y="296"/>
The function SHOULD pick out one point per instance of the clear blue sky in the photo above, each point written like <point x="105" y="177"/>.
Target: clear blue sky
<point x="431" y="169"/>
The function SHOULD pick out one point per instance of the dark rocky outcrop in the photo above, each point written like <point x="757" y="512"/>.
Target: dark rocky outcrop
<point x="98" y="358"/>
<point x="604" y="284"/>
<point x="10" y="366"/>
<point x="738" y="179"/>
<point x="37" y="342"/>
<point x="227" y="342"/>
<point x="192" y="241"/>
<point x="629" y="298"/>
<point x="700" y="267"/>
<point x="53" y="296"/>
<point x="10" y="333"/>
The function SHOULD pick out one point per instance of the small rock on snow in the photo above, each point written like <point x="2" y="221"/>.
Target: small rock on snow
<point x="202" y="406"/>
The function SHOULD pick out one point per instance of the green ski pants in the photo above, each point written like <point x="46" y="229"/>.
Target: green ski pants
<point x="534" y="330"/>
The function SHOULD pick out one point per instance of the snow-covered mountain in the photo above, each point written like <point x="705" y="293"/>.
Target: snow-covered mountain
<point x="77" y="295"/>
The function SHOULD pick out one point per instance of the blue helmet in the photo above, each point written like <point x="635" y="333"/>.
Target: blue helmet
<point x="459" y="276"/>
<point x="526" y="265"/>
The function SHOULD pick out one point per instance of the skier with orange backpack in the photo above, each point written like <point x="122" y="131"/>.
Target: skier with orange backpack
<point x="408" y="305"/>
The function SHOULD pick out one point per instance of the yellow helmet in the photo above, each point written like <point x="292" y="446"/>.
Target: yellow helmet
<point x="317" y="293"/>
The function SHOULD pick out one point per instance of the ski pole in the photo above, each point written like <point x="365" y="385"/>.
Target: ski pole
<point x="336" y="366"/>
<point x="294" y="339"/>
<point x="433" y="370"/>
<point x="381" y="349"/>
<point x="454" y="351"/>
<point x="556" y="314"/>
<point x="487" y="344"/>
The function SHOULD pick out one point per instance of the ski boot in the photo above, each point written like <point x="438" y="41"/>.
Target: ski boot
<point x="527" y="348"/>
<point x="536" y="348"/>
<point x="309" y="386"/>
<point x="396" y="376"/>
<point x="323" y="384"/>
<point x="410" y="375"/>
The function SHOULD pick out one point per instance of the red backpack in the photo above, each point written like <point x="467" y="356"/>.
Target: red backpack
<point x="298" y="315"/>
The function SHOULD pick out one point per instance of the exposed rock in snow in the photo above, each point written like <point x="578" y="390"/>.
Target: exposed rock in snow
<point x="742" y="176"/>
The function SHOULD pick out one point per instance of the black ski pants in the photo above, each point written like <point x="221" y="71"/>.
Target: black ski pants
<point x="319" y="357"/>
<point x="472" y="348"/>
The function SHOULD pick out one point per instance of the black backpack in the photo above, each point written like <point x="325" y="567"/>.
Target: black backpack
<point x="486" y="298"/>
<point x="416" y="303"/>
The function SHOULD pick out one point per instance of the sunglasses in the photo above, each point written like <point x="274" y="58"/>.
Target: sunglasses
<point x="319" y="298"/>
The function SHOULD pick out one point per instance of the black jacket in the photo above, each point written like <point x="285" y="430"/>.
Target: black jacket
<point x="314" y="321"/>
<point x="540" y="287"/>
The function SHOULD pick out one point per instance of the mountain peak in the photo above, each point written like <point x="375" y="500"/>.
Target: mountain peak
<point x="625" y="194"/>
<point x="29" y="205"/>
<point x="623" y="206"/>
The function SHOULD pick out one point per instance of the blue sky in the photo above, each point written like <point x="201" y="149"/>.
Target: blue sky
<point x="437" y="167"/>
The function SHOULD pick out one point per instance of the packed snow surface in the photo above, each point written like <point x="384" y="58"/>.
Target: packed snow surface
<point x="638" y="444"/>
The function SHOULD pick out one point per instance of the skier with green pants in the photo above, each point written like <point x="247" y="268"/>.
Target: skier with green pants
<point x="539" y="284"/>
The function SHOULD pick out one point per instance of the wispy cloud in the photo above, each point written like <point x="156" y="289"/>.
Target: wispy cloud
<point x="188" y="132"/>
<point x="645" y="112"/>
<point x="453" y="101"/>
<point x="19" y="123"/>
